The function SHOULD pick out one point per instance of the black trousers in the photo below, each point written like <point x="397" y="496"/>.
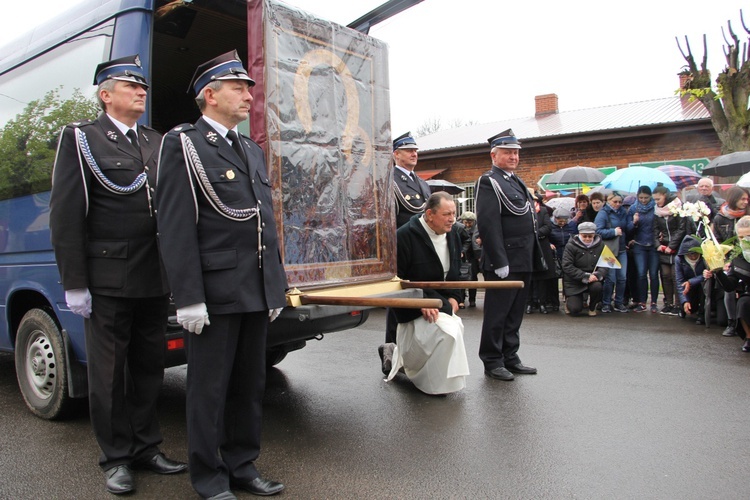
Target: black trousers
<point x="125" y="361"/>
<point x="575" y="302"/>
<point x="225" y="384"/>
<point x="503" y="314"/>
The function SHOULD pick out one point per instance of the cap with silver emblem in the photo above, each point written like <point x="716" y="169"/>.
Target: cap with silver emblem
<point x="505" y="139"/>
<point x="227" y="66"/>
<point x="126" y="69"/>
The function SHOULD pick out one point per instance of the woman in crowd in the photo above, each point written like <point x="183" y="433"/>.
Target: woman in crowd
<point x="734" y="279"/>
<point x="641" y="214"/>
<point x="580" y="275"/>
<point x="669" y="230"/>
<point x="583" y="212"/>
<point x="611" y="224"/>
<point x="596" y="202"/>
<point x="540" y="295"/>
<point x="563" y="228"/>
<point x="723" y="226"/>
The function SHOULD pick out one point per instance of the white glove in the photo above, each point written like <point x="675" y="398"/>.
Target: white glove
<point x="79" y="301"/>
<point x="193" y="318"/>
<point x="502" y="273"/>
<point x="274" y="313"/>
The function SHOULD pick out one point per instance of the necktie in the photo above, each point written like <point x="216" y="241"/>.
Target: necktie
<point x="236" y="145"/>
<point x="133" y="139"/>
<point x="413" y="177"/>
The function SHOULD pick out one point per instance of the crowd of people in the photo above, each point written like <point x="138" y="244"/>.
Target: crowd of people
<point x="658" y="252"/>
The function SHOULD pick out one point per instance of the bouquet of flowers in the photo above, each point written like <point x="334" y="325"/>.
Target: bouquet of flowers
<point x="713" y="252"/>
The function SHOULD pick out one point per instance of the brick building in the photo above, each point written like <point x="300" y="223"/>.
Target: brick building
<point x="661" y="130"/>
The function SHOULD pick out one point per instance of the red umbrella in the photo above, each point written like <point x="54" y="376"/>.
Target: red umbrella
<point x="682" y="176"/>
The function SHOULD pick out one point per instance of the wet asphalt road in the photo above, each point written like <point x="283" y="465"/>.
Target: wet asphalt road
<point x="624" y="406"/>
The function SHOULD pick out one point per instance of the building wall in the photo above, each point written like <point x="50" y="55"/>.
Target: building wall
<point x="538" y="160"/>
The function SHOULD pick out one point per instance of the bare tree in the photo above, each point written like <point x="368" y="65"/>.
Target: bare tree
<point x="432" y="125"/>
<point x="728" y="104"/>
<point x="429" y="126"/>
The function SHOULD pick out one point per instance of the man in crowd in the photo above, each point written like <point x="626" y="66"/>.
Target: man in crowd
<point x="706" y="194"/>
<point x="472" y="253"/>
<point x="219" y="243"/>
<point x="104" y="236"/>
<point x="430" y="344"/>
<point x="506" y="223"/>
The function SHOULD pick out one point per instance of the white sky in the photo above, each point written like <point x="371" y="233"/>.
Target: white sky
<point x="485" y="60"/>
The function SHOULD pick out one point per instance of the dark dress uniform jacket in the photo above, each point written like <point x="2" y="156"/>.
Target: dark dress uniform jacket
<point x="578" y="262"/>
<point x="103" y="241"/>
<point x="107" y="242"/>
<point x="507" y="239"/>
<point x="418" y="261"/>
<point x="210" y="258"/>
<point x="416" y="192"/>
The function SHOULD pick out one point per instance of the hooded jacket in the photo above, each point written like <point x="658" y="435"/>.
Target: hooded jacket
<point x="669" y="232"/>
<point x="643" y="231"/>
<point x="684" y="271"/>
<point x="608" y="219"/>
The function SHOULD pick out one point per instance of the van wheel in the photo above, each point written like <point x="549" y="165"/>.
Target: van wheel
<point x="40" y="365"/>
<point x="275" y="355"/>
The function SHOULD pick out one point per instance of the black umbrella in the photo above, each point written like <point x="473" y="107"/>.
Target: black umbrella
<point x="729" y="165"/>
<point x="443" y="185"/>
<point x="576" y="175"/>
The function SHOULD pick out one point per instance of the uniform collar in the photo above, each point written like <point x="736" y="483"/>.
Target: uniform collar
<point x="221" y="129"/>
<point x="407" y="172"/>
<point x="121" y="126"/>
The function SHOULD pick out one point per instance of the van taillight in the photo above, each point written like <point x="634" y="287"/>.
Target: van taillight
<point x="175" y="344"/>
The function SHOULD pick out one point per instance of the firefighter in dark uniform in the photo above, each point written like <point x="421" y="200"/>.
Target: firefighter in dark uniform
<point x="104" y="236"/>
<point x="507" y="227"/>
<point x="411" y="190"/>
<point x="219" y="244"/>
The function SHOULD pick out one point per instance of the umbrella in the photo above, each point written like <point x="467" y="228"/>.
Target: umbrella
<point x="576" y="175"/>
<point x="682" y="176"/>
<point x="744" y="181"/>
<point x="631" y="178"/>
<point x="567" y="203"/>
<point x="443" y="185"/>
<point x="728" y="165"/>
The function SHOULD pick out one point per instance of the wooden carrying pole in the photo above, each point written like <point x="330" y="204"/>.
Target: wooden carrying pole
<point x="462" y="284"/>
<point x="371" y="302"/>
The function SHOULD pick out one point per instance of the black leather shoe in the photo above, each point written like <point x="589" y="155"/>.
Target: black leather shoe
<point x="162" y="465"/>
<point x="120" y="480"/>
<point x="529" y="310"/>
<point x="472" y="304"/>
<point x="262" y="487"/>
<point x="500" y="373"/>
<point x="224" y="495"/>
<point x="543" y="309"/>
<point x="523" y="370"/>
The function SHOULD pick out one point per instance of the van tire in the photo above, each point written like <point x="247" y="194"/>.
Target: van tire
<point x="40" y="366"/>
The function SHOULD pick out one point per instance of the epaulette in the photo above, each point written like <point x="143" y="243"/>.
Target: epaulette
<point x="82" y="123"/>
<point x="182" y="127"/>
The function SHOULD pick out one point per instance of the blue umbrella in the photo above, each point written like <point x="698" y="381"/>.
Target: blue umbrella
<point x="631" y="178"/>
